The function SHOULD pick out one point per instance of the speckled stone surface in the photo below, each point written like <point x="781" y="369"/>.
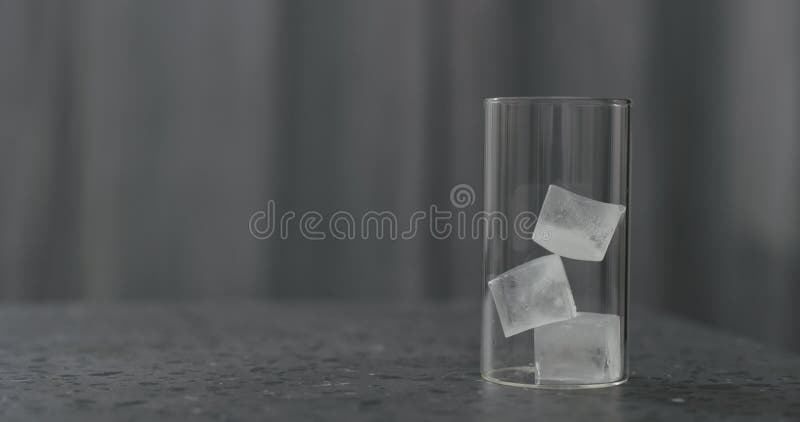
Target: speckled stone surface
<point x="311" y="362"/>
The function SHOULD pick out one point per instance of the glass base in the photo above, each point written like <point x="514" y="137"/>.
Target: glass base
<point x="525" y="377"/>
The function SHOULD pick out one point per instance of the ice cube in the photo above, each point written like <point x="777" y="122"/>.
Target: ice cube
<point x="532" y="294"/>
<point x="574" y="226"/>
<point x="584" y="349"/>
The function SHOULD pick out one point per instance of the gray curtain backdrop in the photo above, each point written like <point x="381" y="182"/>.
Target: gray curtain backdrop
<point x="138" y="137"/>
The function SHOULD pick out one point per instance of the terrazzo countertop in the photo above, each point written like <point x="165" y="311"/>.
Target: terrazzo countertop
<point x="313" y="362"/>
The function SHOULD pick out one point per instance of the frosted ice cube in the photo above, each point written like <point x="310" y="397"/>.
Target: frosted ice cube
<point x="574" y="226"/>
<point x="583" y="349"/>
<point x="532" y="294"/>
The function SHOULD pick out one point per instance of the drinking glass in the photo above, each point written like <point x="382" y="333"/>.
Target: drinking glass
<point x="577" y="151"/>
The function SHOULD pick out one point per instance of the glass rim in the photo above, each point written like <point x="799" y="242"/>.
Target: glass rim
<point x="621" y="102"/>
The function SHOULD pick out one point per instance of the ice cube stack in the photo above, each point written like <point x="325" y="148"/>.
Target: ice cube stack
<point x="569" y="346"/>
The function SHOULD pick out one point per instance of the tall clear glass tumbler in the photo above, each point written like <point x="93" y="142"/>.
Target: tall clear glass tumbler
<point x="556" y="242"/>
